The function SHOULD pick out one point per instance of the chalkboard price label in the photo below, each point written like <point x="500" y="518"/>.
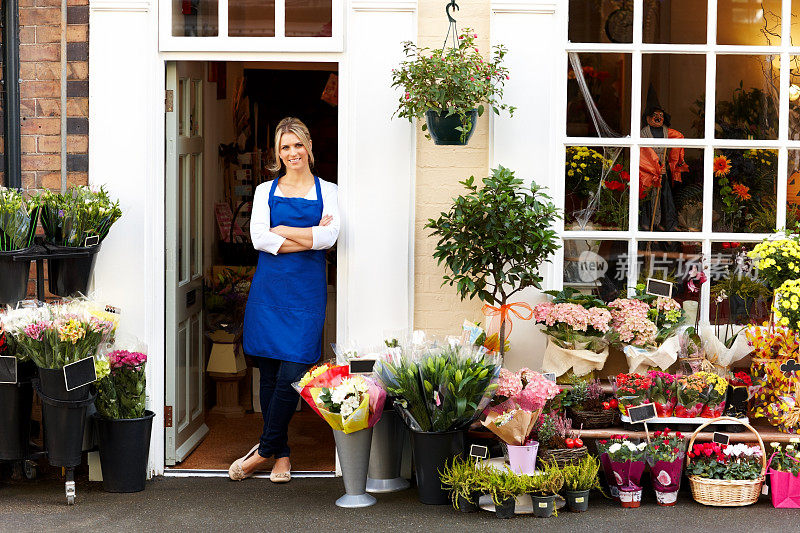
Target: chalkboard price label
<point x="657" y="287"/>
<point x="720" y="438"/>
<point x="361" y="366"/>
<point x="79" y="373"/>
<point x="91" y="240"/>
<point x="642" y="413"/>
<point x="550" y="375"/>
<point x="478" y="451"/>
<point x="8" y="370"/>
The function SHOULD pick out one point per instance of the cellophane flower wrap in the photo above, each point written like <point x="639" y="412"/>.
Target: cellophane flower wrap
<point x="663" y="392"/>
<point x="627" y="459"/>
<point x="18" y="218"/>
<point x="602" y="449"/>
<point x="691" y="396"/>
<point x="525" y="389"/>
<point x="128" y="375"/>
<point x="631" y="390"/>
<point x="346" y="402"/>
<point x="665" y="453"/>
<point x="714" y="394"/>
<point x="106" y="399"/>
<point x="56" y="335"/>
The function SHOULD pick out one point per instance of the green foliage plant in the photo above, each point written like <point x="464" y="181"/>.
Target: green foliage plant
<point x="583" y="475"/>
<point x="494" y="239"/>
<point x="500" y="484"/>
<point x="460" y="477"/>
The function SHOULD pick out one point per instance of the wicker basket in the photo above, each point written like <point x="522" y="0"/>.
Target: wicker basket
<point x="593" y="419"/>
<point x="563" y="456"/>
<point x="727" y="492"/>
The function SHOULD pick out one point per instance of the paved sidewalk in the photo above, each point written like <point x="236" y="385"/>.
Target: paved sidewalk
<point x="307" y="505"/>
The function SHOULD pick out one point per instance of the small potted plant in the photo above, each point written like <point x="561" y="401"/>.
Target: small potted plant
<point x="579" y="479"/>
<point x="691" y="390"/>
<point x="543" y="489"/>
<point x="631" y="390"/>
<point x="716" y="389"/>
<point x="503" y="486"/>
<point x="663" y="392"/>
<point x="449" y="87"/>
<point x="627" y="464"/>
<point x="587" y="405"/>
<point x="461" y="477"/>
<point x="738" y="394"/>
<point x="123" y="423"/>
<point x="665" y="454"/>
<point x="493" y="241"/>
<point x="18" y="219"/>
<point x="557" y="441"/>
<point x="784" y="471"/>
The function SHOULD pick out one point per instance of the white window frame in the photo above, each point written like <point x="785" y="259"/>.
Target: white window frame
<point x="634" y="142"/>
<point x="223" y="43"/>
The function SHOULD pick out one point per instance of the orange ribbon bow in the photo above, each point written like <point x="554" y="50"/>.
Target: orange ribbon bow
<point x="503" y="312"/>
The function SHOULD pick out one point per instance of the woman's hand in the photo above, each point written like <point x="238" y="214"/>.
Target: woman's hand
<point x="324" y="221"/>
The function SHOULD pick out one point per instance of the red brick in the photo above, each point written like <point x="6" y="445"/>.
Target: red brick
<point x="41" y="126"/>
<point x="26" y="3"/>
<point x="77" y="2"/>
<point x="41" y="162"/>
<point x="40" y="89"/>
<point x="40" y="52"/>
<point x="50" y="180"/>
<point x="27" y="107"/>
<point x="48" y="107"/>
<point x="78" y="70"/>
<point x="28" y="144"/>
<point x="27" y="35"/>
<point x="77" y="178"/>
<point x="77" y="33"/>
<point x="77" y="144"/>
<point x="37" y="16"/>
<point x="48" y="3"/>
<point x="48" y="70"/>
<point x="49" y="144"/>
<point x="48" y="34"/>
<point x="28" y="180"/>
<point x="77" y="107"/>
<point x="27" y="71"/>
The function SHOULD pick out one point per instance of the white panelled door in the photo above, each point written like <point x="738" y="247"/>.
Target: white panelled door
<point x="184" y="261"/>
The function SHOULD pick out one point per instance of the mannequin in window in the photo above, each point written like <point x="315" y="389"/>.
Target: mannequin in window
<point x="660" y="169"/>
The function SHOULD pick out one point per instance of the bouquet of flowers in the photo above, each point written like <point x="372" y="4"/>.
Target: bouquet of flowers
<point x="631" y="390"/>
<point x="18" y="218"/>
<point x="722" y="461"/>
<point x="69" y="218"/>
<point x="121" y="384"/>
<point x="665" y="456"/>
<point x="771" y="348"/>
<point x="525" y="389"/>
<point x="787" y="304"/>
<point x="513" y="426"/>
<point x="784" y="471"/>
<point x="346" y="402"/>
<point x="442" y="387"/>
<point x="715" y="392"/>
<point x="663" y="392"/>
<point x="627" y="462"/>
<point x="602" y="449"/>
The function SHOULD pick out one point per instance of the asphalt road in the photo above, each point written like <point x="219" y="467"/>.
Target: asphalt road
<point x="307" y="505"/>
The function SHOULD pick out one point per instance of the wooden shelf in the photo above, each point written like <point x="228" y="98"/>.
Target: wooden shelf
<point x="767" y="432"/>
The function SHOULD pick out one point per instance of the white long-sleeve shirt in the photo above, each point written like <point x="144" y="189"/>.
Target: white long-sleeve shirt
<point x="323" y="237"/>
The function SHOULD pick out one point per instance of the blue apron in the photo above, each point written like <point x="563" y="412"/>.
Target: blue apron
<point x="286" y="307"/>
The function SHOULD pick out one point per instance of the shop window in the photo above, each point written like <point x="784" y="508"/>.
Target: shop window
<point x="671" y="261"/>
<point x="676" y="83"/>
<point x="670" y="188"/>
<point x="308" y="18"/>
<point x="194" y="18"/>
<point x="749" y="22"/>
<point x="251" y="18"/>
<point x="747" y="99"/>
<point x="603" y="88"/>
<point x="596" y="184"/>
<point x="599" y="267"/>
<point x="793" y="190"/>
<point x="601" y="21"/>
<point x="736" y="296"/>
<point x="675" y="22"/>
<point x="745" y="190"/>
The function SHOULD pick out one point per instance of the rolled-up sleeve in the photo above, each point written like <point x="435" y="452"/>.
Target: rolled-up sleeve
<point x="324" y="237"/>
<point x="263" y="239"/>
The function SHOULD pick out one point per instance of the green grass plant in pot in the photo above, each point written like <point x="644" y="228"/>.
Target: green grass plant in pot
<point x="460" y="476"/>
<point x="543" y="488"/>
<point x="450" y="87"/>
<point x="503" y="486"/>
<point x="18" y="218"/>
<point x="494" y="239"/>
<point x="579" y="479"/>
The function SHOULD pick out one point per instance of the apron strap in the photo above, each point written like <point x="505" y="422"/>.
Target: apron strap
<point x="272" y="192"/>
<point x="319" y="195"/>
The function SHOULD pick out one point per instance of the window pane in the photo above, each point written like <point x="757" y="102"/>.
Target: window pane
<point x="604" y="99"/>
<point x="309" y="18"/>
<point x="670" y="261"/>
<point x="251" y="18"/>
<point x="736" y="295"/>
<point x="793" y="94"/>
<point x="670" y="189"/>
<point x="194" y="18"/>
<point x="675" y="22"/>
<point x="747" y="99"/>
<point x="756" y="22"/>
<point x="795" y="32"/>
<point x="676" y="84"/>
<point x="600" y="21"/>
<point x="745" y="190"/>
<point x="596" y="185"/>
<point x="793" y="190"/>
<point x="596" y="267"/>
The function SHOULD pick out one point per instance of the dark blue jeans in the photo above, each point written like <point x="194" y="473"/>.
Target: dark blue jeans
<point x="278" y="403"/>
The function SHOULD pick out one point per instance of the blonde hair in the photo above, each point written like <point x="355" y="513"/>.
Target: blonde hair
<point x="296" y="126"/>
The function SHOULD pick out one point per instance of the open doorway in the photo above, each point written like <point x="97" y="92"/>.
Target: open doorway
<point x="220" y="124"/>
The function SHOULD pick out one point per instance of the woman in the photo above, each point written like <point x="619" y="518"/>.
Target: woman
<point x="295" y="220"/>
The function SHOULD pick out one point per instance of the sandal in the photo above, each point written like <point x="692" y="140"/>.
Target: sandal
<point x="282" y="477"/>
<point x="236" y="472"/>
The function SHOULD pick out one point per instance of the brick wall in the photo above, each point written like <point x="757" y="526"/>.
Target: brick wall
<point x="54" y="73"/>
<point x="438" y="310"/>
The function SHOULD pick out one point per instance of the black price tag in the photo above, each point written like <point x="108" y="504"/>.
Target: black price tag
<point x="550" y="375"/>
<point x="479" y="452"/>
<point x="657" y="287"/>
<point x="79" y="373"/>
<point x="720" y="438"/>
<point x="92" y="240"/>
<point x="642" y="413"/>
<point x="361" y="366"/>
<point x="790" y="367"/>
<point x="8" y="369"/>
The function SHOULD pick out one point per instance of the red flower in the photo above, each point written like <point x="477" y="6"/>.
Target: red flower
<point x="625" y="176"/>
<point x="691" y="455"/>
<point x="666" y="431"/>
<point x="614" y="186"/>
<point x="617" y="167"/>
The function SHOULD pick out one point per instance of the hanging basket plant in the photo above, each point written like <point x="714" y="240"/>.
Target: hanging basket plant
<point x="450" y="87"/>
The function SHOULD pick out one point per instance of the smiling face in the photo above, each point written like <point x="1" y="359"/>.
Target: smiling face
<point x="293" y="152"/>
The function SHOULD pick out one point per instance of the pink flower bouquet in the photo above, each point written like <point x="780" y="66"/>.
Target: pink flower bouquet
<point x="525" y="389"/>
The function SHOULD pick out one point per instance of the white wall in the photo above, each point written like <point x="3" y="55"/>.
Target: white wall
<point x="526" y="143"/>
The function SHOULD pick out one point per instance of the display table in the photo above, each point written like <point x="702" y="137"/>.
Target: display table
<point x="768" y="434"/>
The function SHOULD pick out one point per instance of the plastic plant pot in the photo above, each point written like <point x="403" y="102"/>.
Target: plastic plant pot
<point x="506" y="508"/>
<point x="630" y="498"/>
<point x="15" y="420"/>
<point x="124" y="450"/>
<point x="666" y="499"/>
<point x="14" y="277"/>
<point x="63" y="417"/>
<point x="443" y="128"/>
<point x="431" y="451"/>
<point x="68" y="276"/>
<point x="468" y="505"/>
<point x="577" y="500"/>
<point x="543" y="506"/>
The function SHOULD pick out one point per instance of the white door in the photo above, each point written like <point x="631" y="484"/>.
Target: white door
<point x="186" y="428"/>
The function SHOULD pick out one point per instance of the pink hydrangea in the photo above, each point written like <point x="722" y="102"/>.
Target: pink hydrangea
<point x="629" y="319"/>
<point x="125" y="359"/>
<point x="509" y="384"/>
<point x="574" y="316"/>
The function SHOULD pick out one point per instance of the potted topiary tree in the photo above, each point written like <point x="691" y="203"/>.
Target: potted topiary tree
<point x="449" y="87"/>
<point x="494" y="239"/>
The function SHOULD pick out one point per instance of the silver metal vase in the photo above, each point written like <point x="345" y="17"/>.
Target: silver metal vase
<point x="353" y="450"/>
<point x="386" y="457"/>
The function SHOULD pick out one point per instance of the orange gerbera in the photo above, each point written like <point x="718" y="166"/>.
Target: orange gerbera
<point x="721" y="166"/>
<point x="742" y="191"/>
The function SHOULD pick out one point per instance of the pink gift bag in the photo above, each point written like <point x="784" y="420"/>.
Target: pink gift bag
<point x="785" y="488"/>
